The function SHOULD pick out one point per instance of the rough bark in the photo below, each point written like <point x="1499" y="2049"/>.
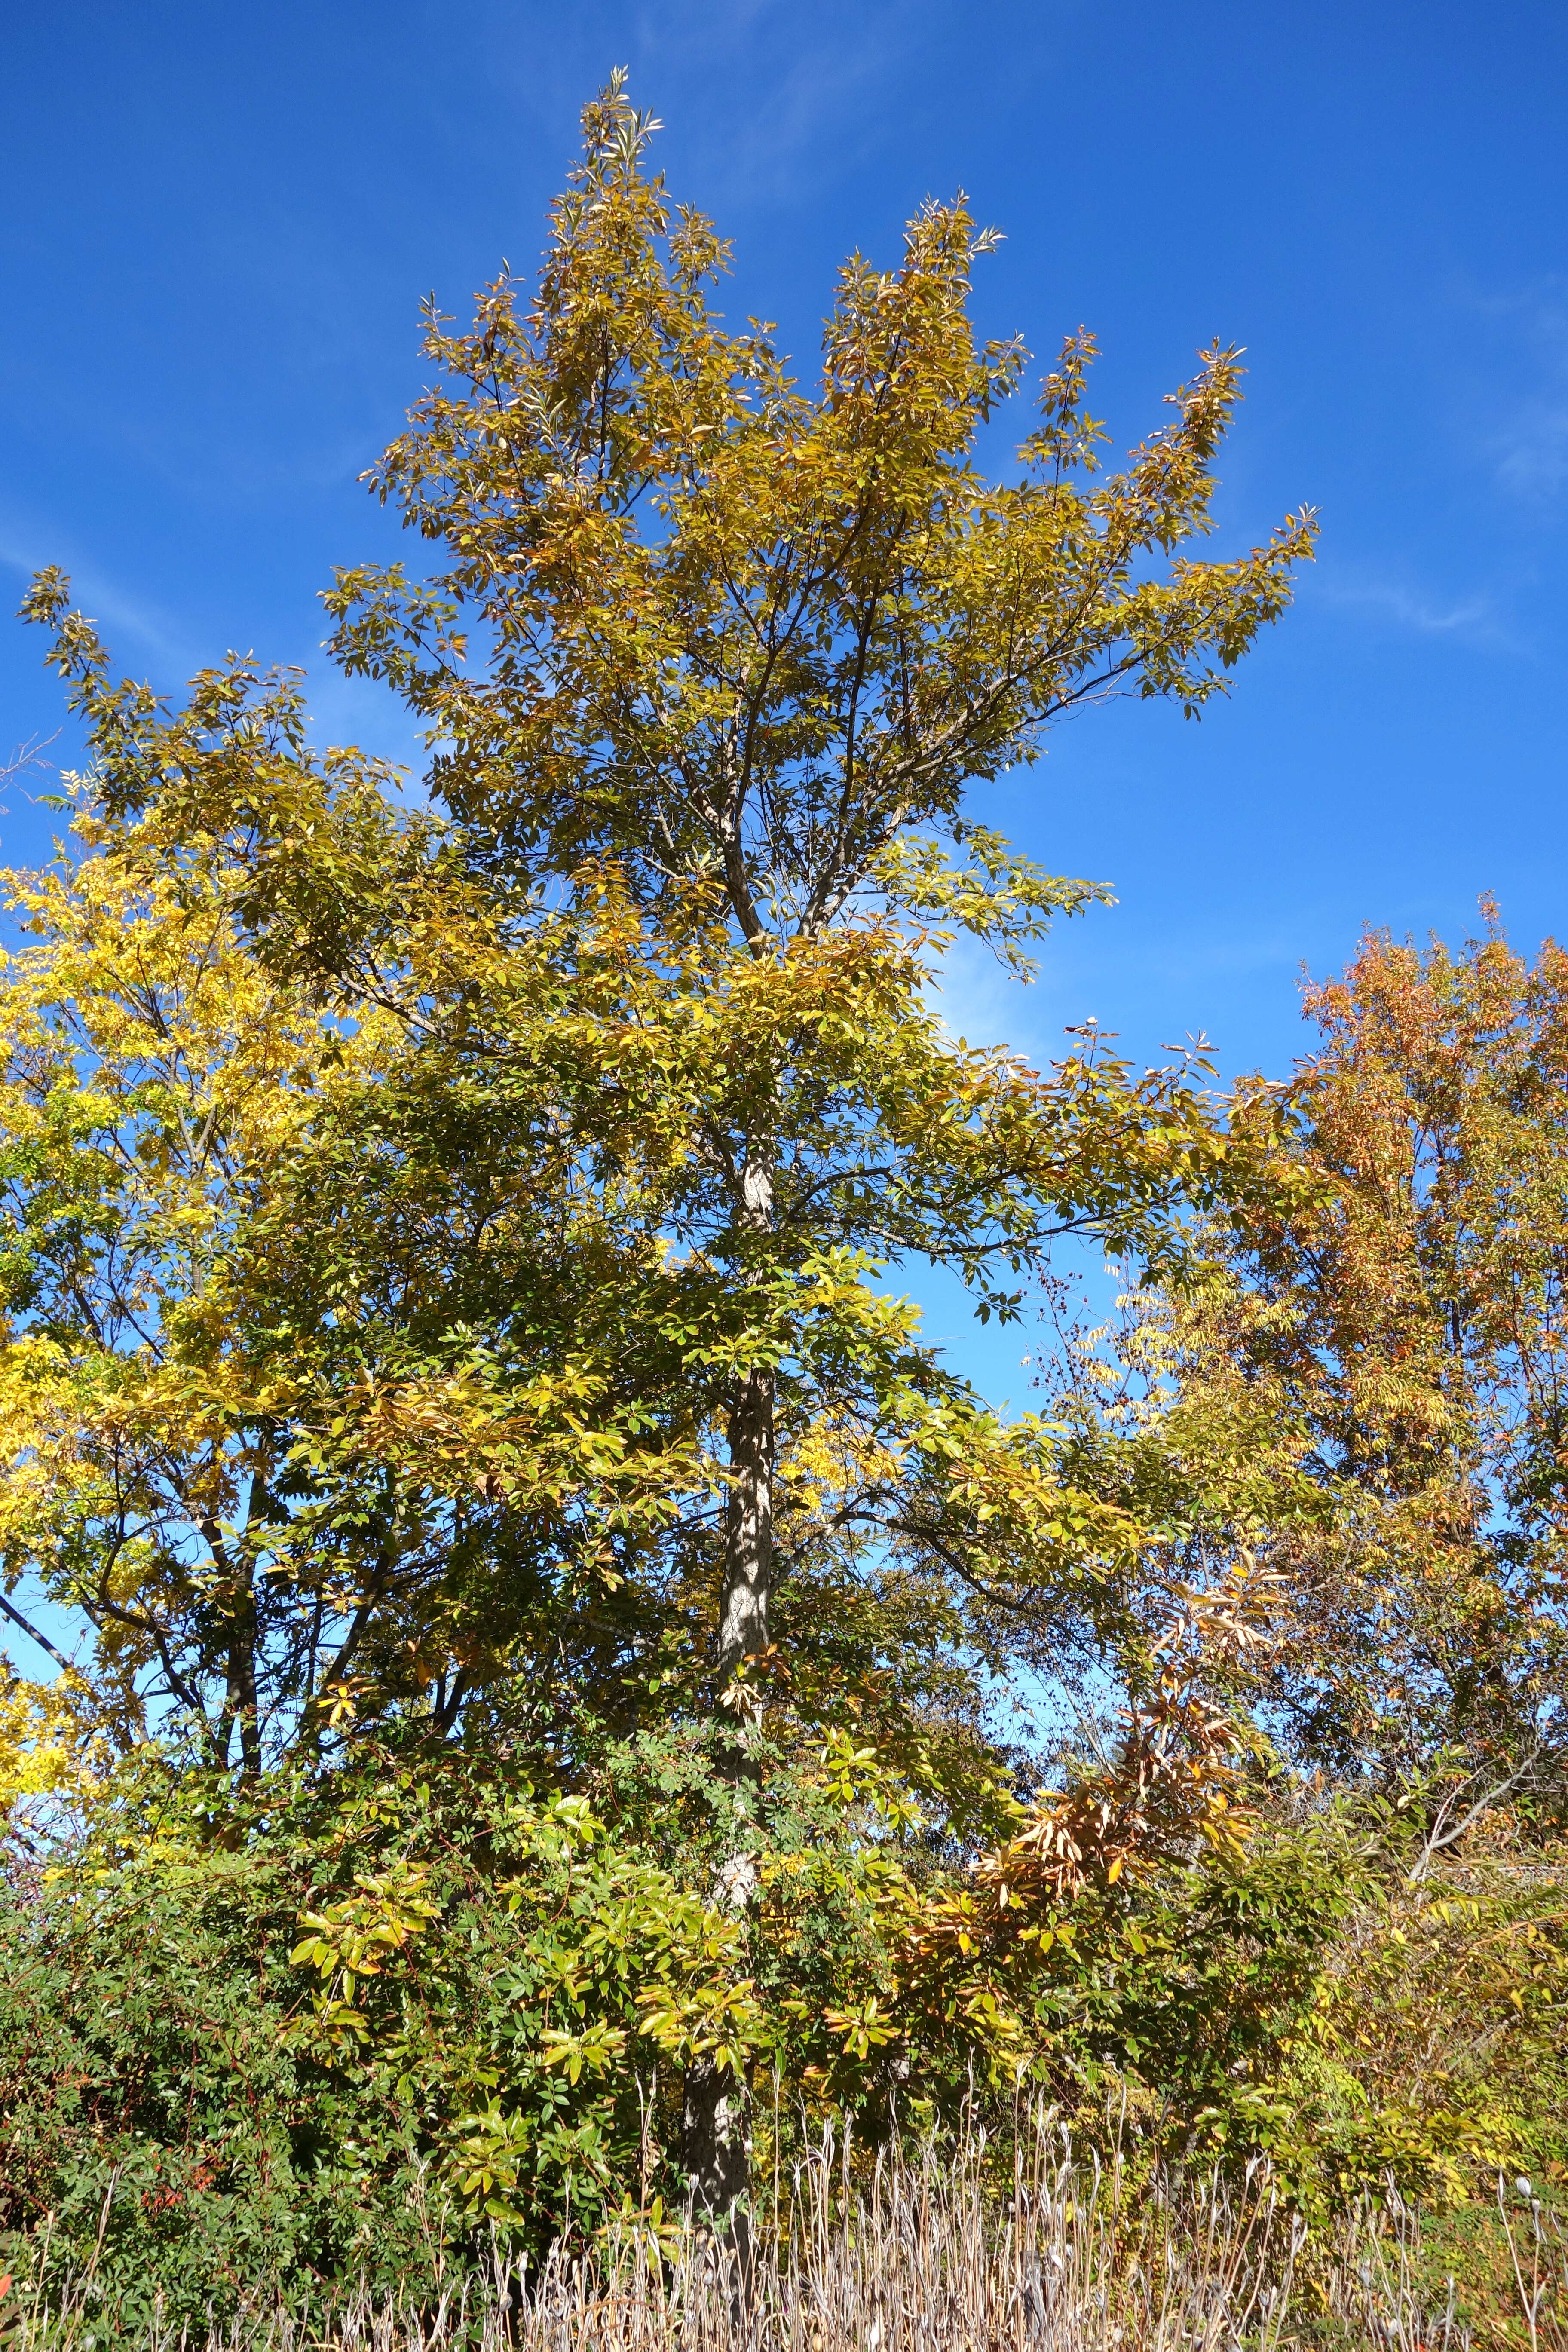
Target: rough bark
<point x="715" y="2117"/>
<point x="749" y="1534"/>
<point x="748" y="1530"/>
<point x="718" y="2142"/>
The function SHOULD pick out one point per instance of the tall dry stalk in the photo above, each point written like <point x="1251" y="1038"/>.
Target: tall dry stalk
<point x="924" y="2257"/>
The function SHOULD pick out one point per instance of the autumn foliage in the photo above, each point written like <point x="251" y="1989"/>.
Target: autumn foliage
<point x="547" y="1632"/>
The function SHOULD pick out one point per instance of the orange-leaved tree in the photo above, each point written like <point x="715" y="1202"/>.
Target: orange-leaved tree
<point x="1400" y="1316"/>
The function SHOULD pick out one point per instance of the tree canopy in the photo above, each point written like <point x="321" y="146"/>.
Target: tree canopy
<point x="491" y="1186"/>
<point x="453" y="1365"/>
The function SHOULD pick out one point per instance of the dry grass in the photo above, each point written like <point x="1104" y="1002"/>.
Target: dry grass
<point x="928" y="2258"/>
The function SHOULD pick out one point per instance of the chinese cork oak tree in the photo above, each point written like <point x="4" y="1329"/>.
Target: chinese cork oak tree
<point x="709" y="662"/>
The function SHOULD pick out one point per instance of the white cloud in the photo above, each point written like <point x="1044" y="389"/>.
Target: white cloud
<point x="121" y="614"/>
<point x="1400" y="604"/>
<point x="1528" y="441"/>
<point x="1531" y="453"/>
<point x="976" y="998"/>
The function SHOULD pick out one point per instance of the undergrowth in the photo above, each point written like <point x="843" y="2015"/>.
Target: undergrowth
<point x="910" y="2255"/>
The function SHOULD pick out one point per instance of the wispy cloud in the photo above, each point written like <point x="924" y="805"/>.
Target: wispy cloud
<point x="813" y="84"/>
<point x="1528" y="438"/>
<point x="1402" y="604"/>
<point x="1532" y="453"/>
<point x="23" y="552"/>
<point x="976" y="998"/>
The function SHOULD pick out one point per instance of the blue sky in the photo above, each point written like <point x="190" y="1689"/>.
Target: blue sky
<point x="217" y="224"/>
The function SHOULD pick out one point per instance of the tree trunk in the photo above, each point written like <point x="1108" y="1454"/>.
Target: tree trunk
<point x="718" y="2145"/>
<point x="749" y="1534"/>
<point x="714" y="2122"/>
<point x="239" y="1707"/>
<point x="748" y="1530"/>
<point x="241" y="1692"/>
<point x="716" y="2119"/>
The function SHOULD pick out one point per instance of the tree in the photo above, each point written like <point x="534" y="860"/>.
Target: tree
<point x="1395" y="1313"/>
<point x="707" y="673"/>
<point x="252" y="1436"/>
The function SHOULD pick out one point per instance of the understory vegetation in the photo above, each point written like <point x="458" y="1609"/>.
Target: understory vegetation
<point x="588" y="1783"/>
<point x="955" y="2251"/>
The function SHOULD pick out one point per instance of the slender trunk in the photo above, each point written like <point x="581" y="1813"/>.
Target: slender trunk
<point x="714" y="2124"/>
<point x="240" y="1697"/>
<point x="240" y="1704"/>
<point x="749" y="1534"/>
<point x="749" y="1531"/>
<point x="715" y="2117"/>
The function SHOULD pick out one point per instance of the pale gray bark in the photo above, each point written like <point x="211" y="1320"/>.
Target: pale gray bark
<point x="716" y="2119"/>
<point x="748" y="1530"/>
<point x="717" y="2103"/>
<point x="718" y="2142"/>
<point x="749" y="1533"/>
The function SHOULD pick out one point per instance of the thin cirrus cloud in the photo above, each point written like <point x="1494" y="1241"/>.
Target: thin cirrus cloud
<point x="813" y="98"/>
<point x="1402" y="606"/>
<point x="1531" y="453"/>
<point x="1526" y="337"/>
<point x="155" y="631"/>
